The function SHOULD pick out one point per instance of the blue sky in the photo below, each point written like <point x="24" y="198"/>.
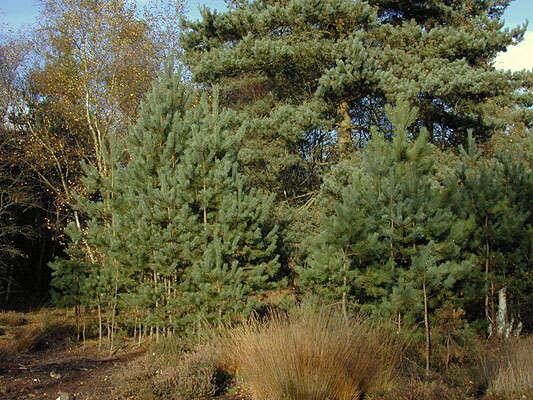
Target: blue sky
<point x="21" y="12"/>
<point x="18" y="13"/>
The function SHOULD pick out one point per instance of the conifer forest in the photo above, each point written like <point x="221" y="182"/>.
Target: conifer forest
<point x="352" y="176"/>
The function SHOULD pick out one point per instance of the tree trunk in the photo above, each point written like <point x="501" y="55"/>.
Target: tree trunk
<point x="9" y="282"/>
<point x="108" y="327"/>
<point x="447" y="352"/>
<point x="399" y="322"/>
<point x="487" y="270"/>
<point x="345" y="283"/>
<point x="77" y="313"/>
<point x="492" y="310"/>
<point x="428" y="332"/>
<point x="344" y="129"/>
<point x="501" y="316"/>
<point x="114" y="310"/>
<point x="112" y="336"/>
<point x="156" y="289"/>
<point x="83" y="333"/>
<point x="99" y="326"/>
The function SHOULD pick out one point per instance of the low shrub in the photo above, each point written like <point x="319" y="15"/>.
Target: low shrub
<point x="196" y="376"/>
<point x="424" y="389"/>
<point x="157" y="375"/>
<point x="311" y="354"/>
<point x="172" y="345"/>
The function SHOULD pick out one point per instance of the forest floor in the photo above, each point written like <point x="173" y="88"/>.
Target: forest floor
<point x="39" y="359"/>
<point x="78" y="370"/>
<point x="81" y="371"/>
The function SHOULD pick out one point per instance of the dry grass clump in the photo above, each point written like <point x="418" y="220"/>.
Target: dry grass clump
<point x="191" y="375"/>
<point x="12" y="318"/>
<point x="514" y="373"/>
<point x="38" y="337"/>
<point x="33" y="331"/>
<point x="312" y="355"/>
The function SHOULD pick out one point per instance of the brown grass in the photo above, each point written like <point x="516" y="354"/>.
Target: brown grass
<point x="311" y="355"/>
<point x="425" y="389"/>
<point x="12" y="318"/>
<point x="514" y="373"/>
<point x="39" y="337"/>
<point x="33" y="331"/>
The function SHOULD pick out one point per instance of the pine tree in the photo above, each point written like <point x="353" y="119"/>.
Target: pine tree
<point x="391" y="242"/>
<point x="313" y="77"/>
<point x="237" y="242"/>
<point x="156" y="228"/>
<point x="172" y="233"/>
<point x="495" y="192"/>
<point x="91" y="275"/>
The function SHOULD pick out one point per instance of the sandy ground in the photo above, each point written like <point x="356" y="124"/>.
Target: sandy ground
<point x="72" y="369"/>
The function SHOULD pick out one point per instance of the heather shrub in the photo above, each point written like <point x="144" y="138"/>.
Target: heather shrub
<point x="417" y="388"/>
<point x="158" y="375"/>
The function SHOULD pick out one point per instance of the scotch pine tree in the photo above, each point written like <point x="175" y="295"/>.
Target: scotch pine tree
<point x="391" y="242"/>
<point x="172" y="232"/>
<point x="91" y="275"/>
<point x="312" y="77"/>
<point x="235" y="262"/>
<point x="496" y="193"/>
<point x="155" y="227"/>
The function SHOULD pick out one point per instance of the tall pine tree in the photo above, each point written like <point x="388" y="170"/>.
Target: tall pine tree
<point x="312" y="77"/>
<point x="237" y="262"/>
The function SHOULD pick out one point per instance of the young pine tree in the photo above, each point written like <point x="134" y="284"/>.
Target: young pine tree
<point x="235" y="261"/>
<point x="390" y="243"/>
<point x="496" y="194"/>
<point x="197" y="243"/>
<point x="172" y="233"/>
<point x="91" y="275"/>
<point x="156" y="228"/>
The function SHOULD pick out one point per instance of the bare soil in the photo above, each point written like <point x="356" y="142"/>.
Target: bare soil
<point x="78" y="370"/>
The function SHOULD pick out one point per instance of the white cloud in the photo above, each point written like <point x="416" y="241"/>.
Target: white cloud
<point x="517" y="57"/>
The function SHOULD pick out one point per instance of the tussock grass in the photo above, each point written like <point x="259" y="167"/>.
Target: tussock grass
<point x="514" y="372"/>
<point x="39" y="337"/>
<point x="311" y="354"/>
<point x="12" y="318"/>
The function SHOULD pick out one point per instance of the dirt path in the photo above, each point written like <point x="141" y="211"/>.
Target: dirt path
<point x="71" y="369"/>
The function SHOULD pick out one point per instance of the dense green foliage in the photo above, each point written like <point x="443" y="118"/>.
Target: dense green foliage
<point x="391" y="232"/>
<point x="313" y="77"/>
<point x="176" y="229"/>
<point x="365" y="153"/>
